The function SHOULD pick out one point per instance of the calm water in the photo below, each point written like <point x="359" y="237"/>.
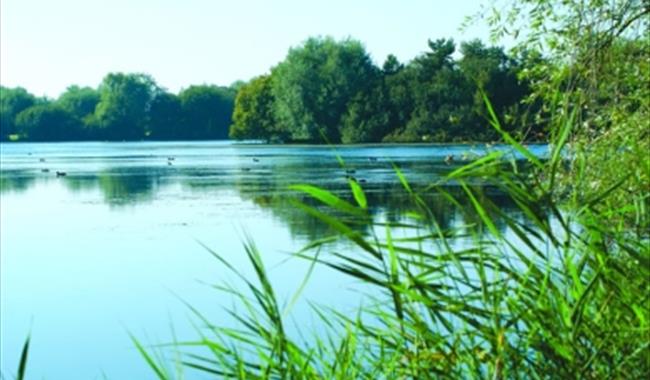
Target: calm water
<point x="114" y="245"/>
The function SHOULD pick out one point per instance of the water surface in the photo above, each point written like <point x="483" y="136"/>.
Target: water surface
<point x="111" y="246"/>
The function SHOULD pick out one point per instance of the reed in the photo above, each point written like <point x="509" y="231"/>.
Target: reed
<point x="561" y="292"/>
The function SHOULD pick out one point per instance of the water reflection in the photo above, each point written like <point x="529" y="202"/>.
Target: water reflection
<point x="103" y="245"/>
<point x="131" y="181"/>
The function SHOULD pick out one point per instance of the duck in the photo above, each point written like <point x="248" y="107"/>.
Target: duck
<point x="350" y="171"/>
<point x="45" y="170"/>
<point x="61" y="174"/>
<point x="171" y="158"/>
<point x="255" y="159"/>
<point x="449" y="159"/>
<point x="372" y="158"/>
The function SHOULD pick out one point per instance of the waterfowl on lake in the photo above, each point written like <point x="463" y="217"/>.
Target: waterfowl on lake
<point x="45" y="170"/>
<point x="362" y="180"/>
<point x="372" y="158"/>
<point x="350" y="171"/>
<point x="171" y="158"/>
<point x="449" y="159"/>
<point x="255" y="159"/>
<point x="169" y="163"/>
<point x="61" y="174"/>
<point x="41" y="160"/>
<point x="246" y="169"/>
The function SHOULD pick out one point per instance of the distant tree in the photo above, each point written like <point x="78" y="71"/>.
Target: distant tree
<point x="165" y="117"/>
<point x="125" y="100"/>
<point x="207" y="111"/>
<point x="490" y="70"/>
<point x="81" y="103"/>
<point x="440" y="96"/>
<point x="48" y="122"/>
<point x="367" y="118"/>
<point x="398" y="83"/>
<point x="237" y="85"/>
<point x="314" y="84"/>
<point x="253" y="115"/>
<point x="12" y="102"/>
<point x="391" y="65"/>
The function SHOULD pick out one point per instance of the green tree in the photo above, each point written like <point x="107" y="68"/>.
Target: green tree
<point x="207" y="111"/>
<point x="12" y="102"/>
<point x="165" y="117"/>
<point x="441" y="97"/>
<point x="491" y="71"/>
<point x="596" y="68"/>
<point x="81" y="103"/>
<point x="367" y="118"/>
<point x="398" y="82"/>
<point x="253" y="115"/>
<point x="48" y="122"/>
<point x="125" y="99"/>
<point x="314" y="84"/>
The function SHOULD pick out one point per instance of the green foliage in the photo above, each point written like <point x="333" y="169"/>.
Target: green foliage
<point x="79" y="101"/>
<point x="124" y="102"/>
<point x="12" y="102"/>
<point x="165" y="117"/>
<point x="330" y="91"/>
<point x="595" y="67"/>
<point x="314" y="84"/>
<point x="48" y="122"/>
<point x="367" y="117"/>
<point x="323" y="91"/>
<point x="253" y="116"/>
<point x="207" y="112"/>
<point x="551" y="295"/>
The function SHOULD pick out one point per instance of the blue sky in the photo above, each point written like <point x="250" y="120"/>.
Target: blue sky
<point x="47" y="45"/>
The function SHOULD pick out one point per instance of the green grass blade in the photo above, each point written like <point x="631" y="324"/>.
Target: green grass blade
<point x="22" y="366"/>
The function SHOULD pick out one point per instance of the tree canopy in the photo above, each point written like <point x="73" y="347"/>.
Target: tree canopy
<point x="324" y="91"/>
<point x="331" y="91"/>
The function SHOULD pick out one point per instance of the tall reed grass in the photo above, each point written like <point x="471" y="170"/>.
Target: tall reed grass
<point x="562" y="293"/>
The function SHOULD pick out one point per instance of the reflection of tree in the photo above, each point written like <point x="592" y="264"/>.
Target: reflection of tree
<point x="15" y="181"/>
<point x="119" y="187"/>
<point x="388" y="201"/>
<point x="265" y="184"/>
<point x="128" y="188"/>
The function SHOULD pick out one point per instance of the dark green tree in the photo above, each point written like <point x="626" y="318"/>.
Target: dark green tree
<point x="253" y="115"/>
<point x="12" y="102"/>
<point x="367" y="118"/>
<point x="441" y="99"/>
<point x="490" y="70"/>
<point x="207" y="111"/>
<point x="48" y="122"/>
<point x="81" y="103"/>
<point x="165" y="117"/>
<point x="314" y="84"/>
<point x="124" y="103"/>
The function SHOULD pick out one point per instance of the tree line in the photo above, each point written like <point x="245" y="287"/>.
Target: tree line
<point x="123" y="107"/>
<point x="324" y="91"/>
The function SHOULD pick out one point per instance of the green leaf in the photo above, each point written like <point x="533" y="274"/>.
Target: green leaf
<point x="328" y="198"/>
<point x="359" y="196"/>
<point x="22" y="366"/>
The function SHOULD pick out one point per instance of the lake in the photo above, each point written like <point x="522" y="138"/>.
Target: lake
<point x="115" y="245"/>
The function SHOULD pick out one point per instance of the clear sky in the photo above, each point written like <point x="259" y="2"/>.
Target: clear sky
<point x="46" y="45"/>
